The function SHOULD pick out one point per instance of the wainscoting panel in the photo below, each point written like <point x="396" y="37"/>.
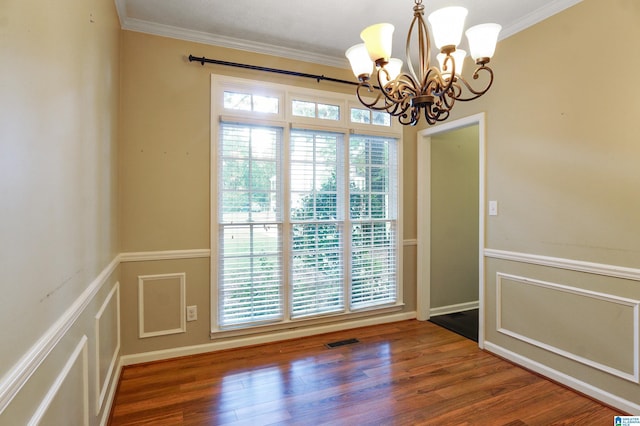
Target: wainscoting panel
<point x="161" y="304"/>
<point x="107" y="323"/>
<point x="534" y="311"/>
<point x="67" y="400"/>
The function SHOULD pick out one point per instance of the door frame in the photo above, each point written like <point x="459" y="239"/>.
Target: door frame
<point x="423" y="291"/>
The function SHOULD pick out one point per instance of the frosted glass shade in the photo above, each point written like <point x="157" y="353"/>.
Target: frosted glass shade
<point x="458" y="57"/>
<point x="482" y="40"/>
<point x="393" y="69"/>
<point x="447" y="25"/>
<point x="378" y="38"/>
<point x="359" y="59"/>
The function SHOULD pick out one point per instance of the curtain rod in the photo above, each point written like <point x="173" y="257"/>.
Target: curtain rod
<point x="318" y="78"/>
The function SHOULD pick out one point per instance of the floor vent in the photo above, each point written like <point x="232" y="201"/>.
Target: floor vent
<point x="341" y="343"/>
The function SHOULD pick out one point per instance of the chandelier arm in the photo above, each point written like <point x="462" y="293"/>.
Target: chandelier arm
<point x="392" y="107"/>
<point x="400" y="90"/>
<point x="437" y="112"/>
<point x="410" y="119"/>
<point x="449" y="97"/>
<point x="399" y="108"/>
<point x="476" y="93"/>
<point x="399" y="95"/>
<point x="371" y="105"/>
<point x="430" y="115"/>
<point x="432" y="83"/>
<point x="435" y="84"/>
<point x="447" y="60"/>
<point x="444" y="116"/>
<point x="424" y="43"/>
<point x="445" y="103"/>
<point x="423" y="40"/>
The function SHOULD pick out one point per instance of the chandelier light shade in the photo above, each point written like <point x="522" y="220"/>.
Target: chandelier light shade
<point x="427" y="90"/>
<point x="378" y="38"/>
<point x="447" y="25"/>
<point x="482" y="40"/>
<point x="358" y="56"/>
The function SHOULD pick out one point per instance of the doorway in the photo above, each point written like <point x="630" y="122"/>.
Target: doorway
<point x="451" y="224"/>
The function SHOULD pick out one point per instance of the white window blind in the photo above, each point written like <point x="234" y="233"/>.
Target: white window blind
<point x="317" y="272"/>
<point x="250" y="235"/>
<point x="373" y="209"/>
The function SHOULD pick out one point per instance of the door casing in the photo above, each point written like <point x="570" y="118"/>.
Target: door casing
<point x="423" y="291"/>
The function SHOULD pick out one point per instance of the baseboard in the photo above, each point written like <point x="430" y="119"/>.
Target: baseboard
<point x="564" y="379"/>
<point x="262" y="338"/>
<point x="460" y="307"/>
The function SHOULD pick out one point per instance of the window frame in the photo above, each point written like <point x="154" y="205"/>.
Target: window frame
<point x="284" y="119"/>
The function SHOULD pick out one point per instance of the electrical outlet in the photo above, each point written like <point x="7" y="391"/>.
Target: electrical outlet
<point x="192" y="313"/>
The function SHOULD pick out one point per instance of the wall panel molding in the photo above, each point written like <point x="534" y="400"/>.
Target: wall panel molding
<point x="147" y="280"/>
<point x="606" y="301"/>
<point x="102" y="384"/>
<point x="79" y="351"/>
<point x="569" y="264"/>
<point x="20" y="373"/>
<point x="565" y="379"/>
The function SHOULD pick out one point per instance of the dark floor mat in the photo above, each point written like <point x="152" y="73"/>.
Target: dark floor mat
<point x="464" y="323"/>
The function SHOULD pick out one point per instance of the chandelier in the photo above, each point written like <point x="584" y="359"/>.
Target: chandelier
<point x="431" y="91"/>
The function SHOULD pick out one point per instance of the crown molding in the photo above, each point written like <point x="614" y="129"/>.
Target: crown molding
<point x="536" y="16"/>
<point x="229" y="42"/>
<point x="137" y="25"/>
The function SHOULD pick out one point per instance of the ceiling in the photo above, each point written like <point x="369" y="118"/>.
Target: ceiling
<point x="318" y="32"/>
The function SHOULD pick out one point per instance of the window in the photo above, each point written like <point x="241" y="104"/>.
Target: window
<point x="365" y="116"/>
<point x="372" y="199"/>
<point x="317" y="222"/>
<point x="250" y="102"/>
<point x="315" y="110"/>
<point x="304" y="217"/>
<point x="250" y="236"/>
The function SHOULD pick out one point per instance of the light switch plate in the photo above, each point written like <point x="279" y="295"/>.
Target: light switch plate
<point x="493" y="208"/>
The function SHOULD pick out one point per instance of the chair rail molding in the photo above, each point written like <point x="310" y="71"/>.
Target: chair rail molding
<point x="570" y="264"/>
<point x="143" y="256"/>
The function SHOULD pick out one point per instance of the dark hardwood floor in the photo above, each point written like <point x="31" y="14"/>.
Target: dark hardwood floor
<point x="405" y="373"/>
<point x="464" y="323"/>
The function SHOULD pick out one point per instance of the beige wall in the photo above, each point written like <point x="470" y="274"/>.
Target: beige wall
<point x="165" y="168"/>
<point x="562" y="136"/>
<point x="59" y="84"/>
<point x="454" y="217"/>
<point x="562" y="161"/>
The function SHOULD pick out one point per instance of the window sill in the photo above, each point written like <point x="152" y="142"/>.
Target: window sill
<point x="304" y="326"/>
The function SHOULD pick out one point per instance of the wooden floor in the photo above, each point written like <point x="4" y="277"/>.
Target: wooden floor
<point x="406" y="373"/>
